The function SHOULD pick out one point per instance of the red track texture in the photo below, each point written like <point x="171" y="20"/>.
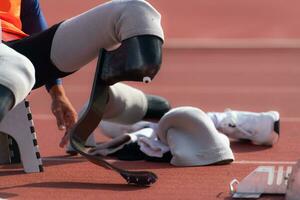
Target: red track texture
<point x="211" y="79"/>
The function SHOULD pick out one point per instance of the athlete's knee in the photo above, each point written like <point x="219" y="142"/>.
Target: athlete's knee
<point x="16" y="73"/>
<point x="139" y="17"/>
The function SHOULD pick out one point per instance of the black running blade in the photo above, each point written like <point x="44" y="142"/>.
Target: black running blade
<point x="141" y="178"/>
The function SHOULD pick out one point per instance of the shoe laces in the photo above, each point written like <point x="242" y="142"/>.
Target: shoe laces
<point x="231" y="121"/>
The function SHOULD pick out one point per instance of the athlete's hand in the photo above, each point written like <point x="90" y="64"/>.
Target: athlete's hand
<point x="63" y="110"/>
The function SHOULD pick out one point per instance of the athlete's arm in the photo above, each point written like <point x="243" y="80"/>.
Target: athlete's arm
<point x="33" y="21"/>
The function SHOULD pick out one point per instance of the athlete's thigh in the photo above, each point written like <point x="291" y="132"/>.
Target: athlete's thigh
<point x="37" y="49"/>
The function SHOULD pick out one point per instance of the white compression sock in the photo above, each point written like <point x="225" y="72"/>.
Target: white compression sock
<point x="16" y="73"/>
<point x="126" y="104"/>
<point x="78" y="40"/>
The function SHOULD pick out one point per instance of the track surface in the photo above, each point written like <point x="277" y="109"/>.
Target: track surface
<point x="211" y="79"/>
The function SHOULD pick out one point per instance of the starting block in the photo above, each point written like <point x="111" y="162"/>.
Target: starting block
<point x="9" y="150"/>
<point x="18" y="140"/>
<point x="293" y="187"/>
<point x="280" y="180"/>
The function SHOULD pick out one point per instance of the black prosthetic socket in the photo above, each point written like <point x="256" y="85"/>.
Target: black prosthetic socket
<point x="137" y="59"/>
<point x="7" y="100"/>
<point x="157" y="107"/>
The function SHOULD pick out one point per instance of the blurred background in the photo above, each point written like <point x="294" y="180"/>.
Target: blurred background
<point x="206" y="19"/>
<point x="210" y="37"/>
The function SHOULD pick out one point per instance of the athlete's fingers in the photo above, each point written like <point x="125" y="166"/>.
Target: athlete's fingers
<point x="65" y="139"/>
<point x="70" y="119"/>
<point x="59" y="119"/>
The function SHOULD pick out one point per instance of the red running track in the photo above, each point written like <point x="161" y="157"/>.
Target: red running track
<point x="214" y="79"/>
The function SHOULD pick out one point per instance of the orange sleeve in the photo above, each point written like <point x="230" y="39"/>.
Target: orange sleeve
<point x="10" y="11"/>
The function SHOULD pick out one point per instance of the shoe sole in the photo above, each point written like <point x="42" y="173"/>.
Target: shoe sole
<point x="277" y="127"/>
<point x="72" y="152"/>
<point x="276" y="117"/>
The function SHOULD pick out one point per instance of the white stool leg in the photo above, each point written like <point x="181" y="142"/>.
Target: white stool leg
<point x="19" y="125"/>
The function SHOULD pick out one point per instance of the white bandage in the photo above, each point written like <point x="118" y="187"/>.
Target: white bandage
<point x="126" y="104"/>
<point x="16" y="73"/>
<point x="192" y="138"/>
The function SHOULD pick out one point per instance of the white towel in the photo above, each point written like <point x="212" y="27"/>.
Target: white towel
<point x="145" y="137"/>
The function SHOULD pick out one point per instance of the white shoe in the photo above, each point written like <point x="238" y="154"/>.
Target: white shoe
<point x="260" y="128"/>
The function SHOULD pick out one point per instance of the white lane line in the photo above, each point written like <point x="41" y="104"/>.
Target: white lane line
<point x="288" y="173"/>
<point x="245" y="43"/>
<point x="230" y="89"/>
<point x="246" y="162"/>
<point x="256" y="162"/>
<point x="280" y="177"/>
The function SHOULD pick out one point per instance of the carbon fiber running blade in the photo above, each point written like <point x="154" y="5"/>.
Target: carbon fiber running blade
<point x="92" y="116"/>
<point x="139" y="178"/>
<point x="89" y="122"/>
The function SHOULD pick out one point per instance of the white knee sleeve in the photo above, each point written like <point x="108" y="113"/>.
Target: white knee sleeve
<point x="126" y="104"/>
<point x="78" y="40"/>
<point x="192" y="138"/>
<point x="138" y="18"/>
<point x="16" y="73"/>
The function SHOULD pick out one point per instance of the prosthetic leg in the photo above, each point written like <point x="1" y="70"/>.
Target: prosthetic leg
<point x="6" y="101"/>
<point x="137" y="59"/>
